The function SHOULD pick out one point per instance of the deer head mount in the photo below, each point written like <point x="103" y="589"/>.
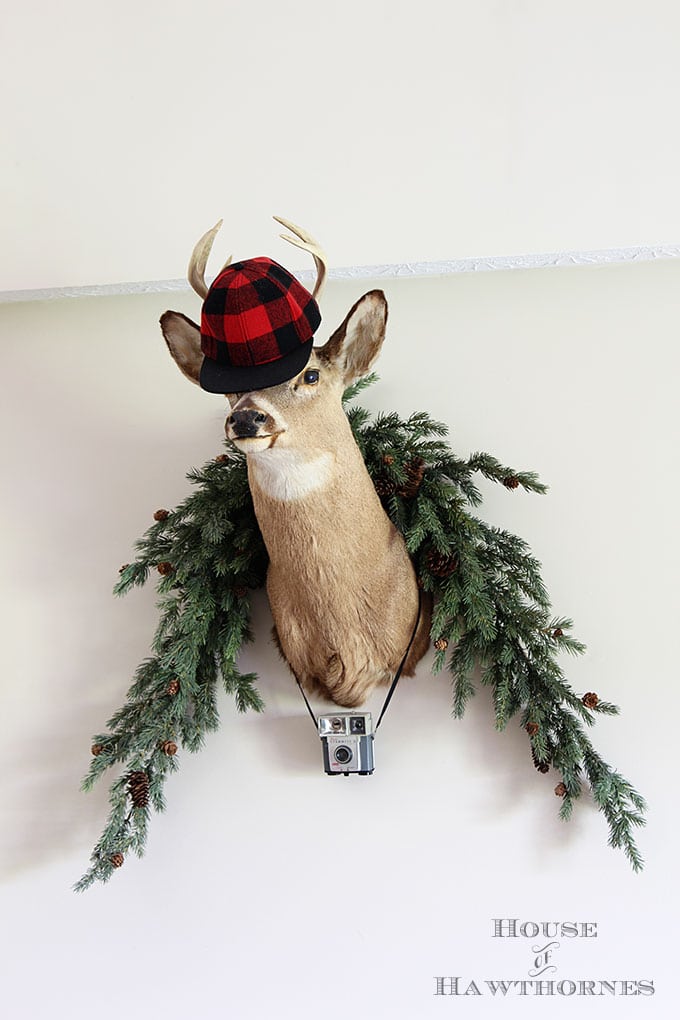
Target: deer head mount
<point x="341" y="586"/>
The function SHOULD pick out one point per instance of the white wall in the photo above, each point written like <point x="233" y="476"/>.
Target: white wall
<point x="269" y="889"/>
<point x="395" y="132"/>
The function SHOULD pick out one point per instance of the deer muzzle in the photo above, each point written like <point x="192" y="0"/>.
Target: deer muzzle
<point x="247" y="424"/>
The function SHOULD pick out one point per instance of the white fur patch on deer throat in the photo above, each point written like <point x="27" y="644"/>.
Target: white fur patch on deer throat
<point x="288" y="475"/>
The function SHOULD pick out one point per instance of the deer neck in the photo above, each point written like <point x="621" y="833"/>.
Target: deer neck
<point x="314" y="498"/>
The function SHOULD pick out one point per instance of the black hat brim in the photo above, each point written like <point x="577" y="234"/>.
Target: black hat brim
<point x="216" y="377"/>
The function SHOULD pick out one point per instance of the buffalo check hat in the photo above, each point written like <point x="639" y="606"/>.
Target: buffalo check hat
<point x="257" y="327"/>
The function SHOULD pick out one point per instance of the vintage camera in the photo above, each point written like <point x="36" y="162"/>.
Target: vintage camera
<point x="347" y="742"/>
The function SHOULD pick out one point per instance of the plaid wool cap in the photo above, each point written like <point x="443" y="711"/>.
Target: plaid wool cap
<point x="257" y="326"/>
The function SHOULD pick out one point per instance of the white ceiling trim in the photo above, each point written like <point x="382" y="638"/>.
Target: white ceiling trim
<point x="390" y="271"/>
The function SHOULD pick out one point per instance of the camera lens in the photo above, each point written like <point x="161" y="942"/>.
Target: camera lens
<point x="343" y="754"/>
<point x="357" y="725"/>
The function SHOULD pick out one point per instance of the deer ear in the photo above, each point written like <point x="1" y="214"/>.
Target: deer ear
<point x="183" y="338"/>
<point x="356" y="344"/>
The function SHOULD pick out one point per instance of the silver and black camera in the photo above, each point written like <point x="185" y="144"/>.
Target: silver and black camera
<point x="347" y="742"/>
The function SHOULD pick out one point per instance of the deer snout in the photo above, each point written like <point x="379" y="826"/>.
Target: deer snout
<point x="246" y="423"/>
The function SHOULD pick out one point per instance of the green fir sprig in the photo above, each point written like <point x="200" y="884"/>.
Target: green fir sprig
<point x="208" y="555"/>
<point x="491" y="613"/>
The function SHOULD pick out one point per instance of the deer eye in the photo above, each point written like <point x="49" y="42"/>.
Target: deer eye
<point x="311" y="376"/>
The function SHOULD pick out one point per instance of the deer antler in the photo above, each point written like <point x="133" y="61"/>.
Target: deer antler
<point x="199" y="259"/>
<point x="307" y="243"/>
<point x="201" y="253"/>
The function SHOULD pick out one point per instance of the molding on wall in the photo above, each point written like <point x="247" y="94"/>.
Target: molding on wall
<point x="387" y="271"/>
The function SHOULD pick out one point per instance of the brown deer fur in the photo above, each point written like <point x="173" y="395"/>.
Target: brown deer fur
<point x="341" y="586"/>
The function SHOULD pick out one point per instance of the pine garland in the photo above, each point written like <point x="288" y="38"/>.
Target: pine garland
<point x="491" y="611"/>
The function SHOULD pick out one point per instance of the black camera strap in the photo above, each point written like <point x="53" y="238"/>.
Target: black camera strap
<point x="309" y="707"/>
<point x="396" y="675"/>
<point x="402" y="663"/>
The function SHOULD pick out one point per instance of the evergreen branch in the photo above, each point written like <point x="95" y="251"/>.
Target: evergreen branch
<point x="491" y="611"/>
<point x="496" y="612"/>
<point x="242" y="686"/>
<point x="361" y="384"/>
<point x="207" y="550"/>
<point x="492" y="469"/>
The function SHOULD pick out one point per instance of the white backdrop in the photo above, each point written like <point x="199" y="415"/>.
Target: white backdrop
<point x="269" y="889"/>
<point x="396" y="132"/>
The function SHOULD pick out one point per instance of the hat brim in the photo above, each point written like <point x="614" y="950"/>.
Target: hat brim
<point x="216" y="377"/>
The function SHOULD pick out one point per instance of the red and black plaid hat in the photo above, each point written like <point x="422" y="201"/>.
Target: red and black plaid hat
<point x="257" y="326"/>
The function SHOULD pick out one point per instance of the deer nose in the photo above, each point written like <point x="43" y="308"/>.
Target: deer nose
<point x="246" y="423"/>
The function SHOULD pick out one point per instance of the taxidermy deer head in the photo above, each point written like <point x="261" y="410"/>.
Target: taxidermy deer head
<point x="341" y="586"/>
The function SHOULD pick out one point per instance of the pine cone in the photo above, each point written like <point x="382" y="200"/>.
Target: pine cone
<point x="138" y="785"/>
<point x="542" y="766"/>
<point x="173" y="687"/>
<point x="97" y="749"/>
<point x="439" y="564"/>
<point x="124" y="567"/>
<point x="222" y="458"/>
<point x="590" y="700"/>
<point x="511" y="482"/>
<point x="117" y="860"/>
<point x="384" y="486"/>
<point x="532" y="728"/>
<point x="415" y="469"/>
<point x="164" y="569"/>
<point x="558" y="632"/>
<point x="441" y="644"/>
<point x="388" y="459"/>
<point x="560" y="790"/>
<point x="161" y="515"/>
<point x="169" y="747"/>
